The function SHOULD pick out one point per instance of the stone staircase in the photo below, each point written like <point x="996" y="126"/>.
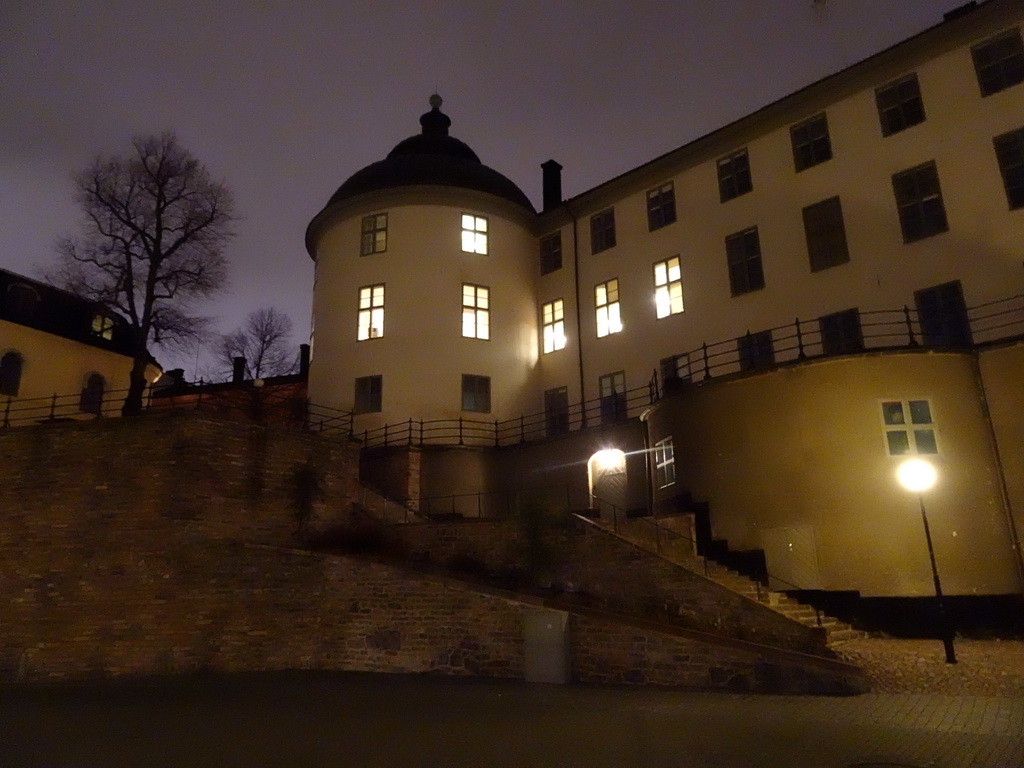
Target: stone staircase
<point x="679" y="549"/>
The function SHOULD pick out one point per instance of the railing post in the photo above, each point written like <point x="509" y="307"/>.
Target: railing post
<point x="522" y="428"/>
<point x="53" y="406"/>
<point x="496" y="433"/>
<point x="707" y="366"/>
<point x="410" y="431"/>
<point x="421" y="433"/>
<point x="7" y="412"/>
<point x="479" y="508"/>
<point x="799" y="340"/>
<point x="910" y="327"/>
<point x="461" y="441"/>
<point x="385" y="434"/>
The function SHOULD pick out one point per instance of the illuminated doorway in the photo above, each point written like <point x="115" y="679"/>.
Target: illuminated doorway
<point x="606" y="471"/>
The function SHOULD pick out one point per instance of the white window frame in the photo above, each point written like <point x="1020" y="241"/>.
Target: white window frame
<point x="373" y="236"/>
<point x="921" y="437"/>
<point x="474" y="233"/>
<point x="476" y="311"/>
<point x="371" y="312"/>
<point x="553" y="322"/>
<point x="665" y="462"/>
<point x="606" y="302"/>
<point x="668" y="287"/>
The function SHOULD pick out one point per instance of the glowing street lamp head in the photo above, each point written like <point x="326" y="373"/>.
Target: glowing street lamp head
<point x="610" y="459"/>
<point x="916" y="475"/>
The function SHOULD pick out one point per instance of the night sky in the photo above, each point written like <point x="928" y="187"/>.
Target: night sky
<point x="285" y="100"/>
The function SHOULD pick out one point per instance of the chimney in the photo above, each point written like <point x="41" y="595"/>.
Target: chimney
<point x="238" y="371"/>
<point x="552" y="184"/>
<point x="304" y="359"/>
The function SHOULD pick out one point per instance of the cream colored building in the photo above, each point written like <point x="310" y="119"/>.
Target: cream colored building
<point x="60" y="356"/>
<point x="792" y="305"/>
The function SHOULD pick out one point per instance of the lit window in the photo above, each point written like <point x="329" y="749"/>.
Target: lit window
<point x="602" y="231"/>
<point x="476" y="393"/>
<point x="368" y="394"/>
<point x="551" y="253"/>
<point x="668" y="287"/>
<point x="899" y="105"/>
<point x="375" y="234"/>
<point x="919" y="202"/>
<point x="811" y="144"/>
<point x="999" y="62"/>
<point x="1010" y="155"/>
<point x="476" y="312"/>
<point x="606" y="298"/>
<point x="10" y="374"/>
<point x="553" y="321"/>
<point x="664" y="462"/>
<point x="908" y="427"/>
<point x="661" y="206"/>
<point x="371" y="312"/>
<point x="734" y="175"/>
<point x="474" y="233"/>
<point x="102" y="326"/>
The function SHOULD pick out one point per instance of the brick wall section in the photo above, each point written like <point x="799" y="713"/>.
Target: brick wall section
<point x="590" y="561"/>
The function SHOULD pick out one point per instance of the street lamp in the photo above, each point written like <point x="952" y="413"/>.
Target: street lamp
<point x="917" y="476"/>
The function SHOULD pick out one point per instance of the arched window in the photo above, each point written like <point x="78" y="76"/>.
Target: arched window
<point x="92" y="395"/>
<point x="10" y="374"/>
<point x="21" y="300"/>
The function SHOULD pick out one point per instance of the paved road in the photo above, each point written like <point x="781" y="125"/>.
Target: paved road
<point x="328" y="719"/>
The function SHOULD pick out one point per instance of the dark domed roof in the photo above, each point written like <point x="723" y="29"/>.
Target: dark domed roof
<point x="432" y="157"/>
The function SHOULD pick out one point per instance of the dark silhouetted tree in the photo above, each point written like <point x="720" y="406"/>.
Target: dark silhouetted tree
<point x="265" y="343"/>
<point x="155" y="228"/>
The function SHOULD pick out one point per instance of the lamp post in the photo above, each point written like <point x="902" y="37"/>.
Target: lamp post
<point x="917" y="476"/>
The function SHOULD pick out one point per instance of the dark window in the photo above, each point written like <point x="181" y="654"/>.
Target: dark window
<point x="841" y="333"/>
<point x="551" y="253"/>
<point x="674" y="371"/>
<point x="1010" y="155"/>
<point x="919" y="201"/>
<point x="743" y="251"/>
<point x="375" y="234"/>
<point x="755" y="350"/>
<point x="661" y="206"/>
<point x="556" y="411"/>
<point x="602" y="231"/>
<point x="999" y="62"/>
<point x="10" y="374"/>
<point x="734" y="175"/>
<point x="369" y="394"/>
<point x="91" y="400"/>
<point x="612" y="390"/>
<point x="942" y="313"/>
<point x="899" y="105"/>
<point x="476" y="393"/>
<point x="826" y="235"/>
<point x="21" y="300"/>
<point x="811" y="144"/>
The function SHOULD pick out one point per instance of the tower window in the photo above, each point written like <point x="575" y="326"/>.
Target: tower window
<point x="368" y="395"/>
<point x="1010" y="155"/>
<point x="743" y="252"/>
<point x="909" y="427"/>
<point x="602" y="231"/>
<point x="476" y="311"/>
<point x="606" y="300"/>
<point x="91" y="400"/>
<point x="10" y="374"/>
<point x="553" y="323"/>
<point x="664" y="462"/>
<point x="811" y="144"/>
<point x="826" y="235"/>
<point x="474" y="233"/>
<point x="102" y="326"/>
<point x="899" y="105"/>
<point x="999" y="62"/>
<point x="919" y="201"/>
<point x="371" y="312"/>
<point x="476" y="393"/>
<point x="668" y="287"/>
<point x="734" y="175"/>
<point x="550" y="253"/>
<point x="661" y="206"/>
<point x="375" y="234"/>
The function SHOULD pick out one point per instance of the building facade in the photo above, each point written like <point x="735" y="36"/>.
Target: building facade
<point x="768" y="319"/>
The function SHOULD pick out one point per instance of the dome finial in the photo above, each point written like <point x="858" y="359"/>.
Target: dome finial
<point x="435" y="122"/>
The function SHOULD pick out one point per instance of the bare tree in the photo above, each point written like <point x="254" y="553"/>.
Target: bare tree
<point x="265" y="343"/>
<point x="155" y="227"/>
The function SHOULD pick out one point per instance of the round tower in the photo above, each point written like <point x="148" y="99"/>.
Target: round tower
<point x="423" y="302"/>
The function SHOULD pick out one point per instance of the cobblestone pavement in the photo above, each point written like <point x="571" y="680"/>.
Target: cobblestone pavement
<point x="983" y="668"/>
<point x="390" y="721"/>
